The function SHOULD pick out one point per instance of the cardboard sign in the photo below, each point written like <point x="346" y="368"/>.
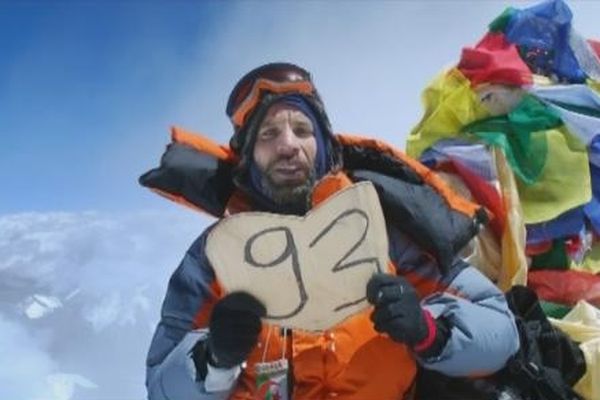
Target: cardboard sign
<point x="311" y="272"/>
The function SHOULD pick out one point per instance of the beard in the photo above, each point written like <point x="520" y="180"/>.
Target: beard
<point x="293" y="195"/>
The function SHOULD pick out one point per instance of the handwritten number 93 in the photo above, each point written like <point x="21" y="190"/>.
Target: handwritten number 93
<point x="290" y="252"/>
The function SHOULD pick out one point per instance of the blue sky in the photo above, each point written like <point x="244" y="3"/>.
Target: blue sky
<point x="88" y="91"/>
<point x="80" y="86"/>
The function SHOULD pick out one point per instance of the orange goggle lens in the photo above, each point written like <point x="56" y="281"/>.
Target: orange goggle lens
<point x="276" y="72"/>
<point x="252" y="98"/>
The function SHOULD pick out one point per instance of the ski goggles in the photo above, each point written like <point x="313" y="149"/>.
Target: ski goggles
<point x="278" y="78"/>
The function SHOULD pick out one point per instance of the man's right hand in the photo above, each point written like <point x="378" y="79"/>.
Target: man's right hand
<point x="234" y="328"/>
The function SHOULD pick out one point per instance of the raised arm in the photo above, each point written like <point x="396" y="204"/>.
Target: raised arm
<point x="482" y="331"/>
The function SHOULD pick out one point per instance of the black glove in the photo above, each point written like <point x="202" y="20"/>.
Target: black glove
<point x="397" y="309"/>
<point x="234" y="328"/>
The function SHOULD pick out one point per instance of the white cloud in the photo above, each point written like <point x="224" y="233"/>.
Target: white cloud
<point x="63" y="386"/>
<point x="25" y="363"/>
<point x="80" y="294"/>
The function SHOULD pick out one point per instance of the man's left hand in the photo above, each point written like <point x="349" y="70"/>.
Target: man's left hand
<point x="397" y="309"/>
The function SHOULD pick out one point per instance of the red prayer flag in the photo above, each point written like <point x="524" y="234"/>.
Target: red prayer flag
<point x="494" y="60"/>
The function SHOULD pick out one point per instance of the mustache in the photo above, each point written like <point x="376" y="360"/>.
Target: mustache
<point x="287" y="162"/>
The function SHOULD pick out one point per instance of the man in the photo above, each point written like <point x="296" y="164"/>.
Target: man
<point x="433" y="310"/>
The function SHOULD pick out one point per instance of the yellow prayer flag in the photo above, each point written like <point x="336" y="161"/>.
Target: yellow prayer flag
<point x="450" y="104"/>
<point x="564" y="182"/>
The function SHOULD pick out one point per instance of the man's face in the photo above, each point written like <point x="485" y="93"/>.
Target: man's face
<point x="284" y="152"/>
